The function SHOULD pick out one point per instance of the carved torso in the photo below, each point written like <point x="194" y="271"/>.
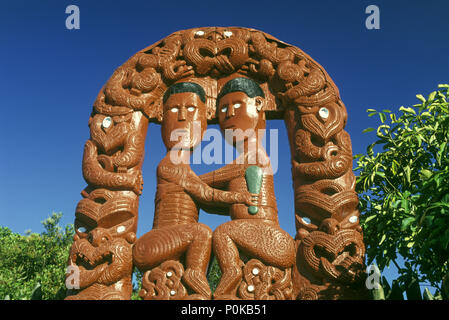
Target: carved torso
<point x="173" y="205"/>
<point x="232" y="178"/>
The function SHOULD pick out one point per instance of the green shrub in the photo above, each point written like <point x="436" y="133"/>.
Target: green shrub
<point x="33" y="265"/>
<point x="404" y="191"/>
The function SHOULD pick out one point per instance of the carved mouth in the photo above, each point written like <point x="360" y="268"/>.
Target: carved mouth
<point x="89" y="264"/>
<point x="335" y="258"/>
<point x="89" y="257"/>
<point x="340" y="265"/>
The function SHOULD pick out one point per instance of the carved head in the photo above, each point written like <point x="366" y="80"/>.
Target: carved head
<point x="184" y="120"/>
<point x="240" y="106"/>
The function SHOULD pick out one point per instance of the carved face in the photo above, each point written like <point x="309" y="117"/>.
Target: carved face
<point x="335" y="257"/>
<point x="331" y="250"/>
<point x="93" y="250"/>
<point x="184" y="121"/>
<point x="238" y="111"/>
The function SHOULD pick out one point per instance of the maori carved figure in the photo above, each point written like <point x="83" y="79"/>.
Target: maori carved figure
<point x="176" y="83"/>
<point x="254" y="234"/>
<point x="176" y="233"/>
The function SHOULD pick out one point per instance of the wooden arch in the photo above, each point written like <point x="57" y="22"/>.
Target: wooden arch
<point x="330" y="249"/>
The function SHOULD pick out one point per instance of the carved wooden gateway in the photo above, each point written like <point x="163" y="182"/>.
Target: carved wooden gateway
<point x="239" y="78"/>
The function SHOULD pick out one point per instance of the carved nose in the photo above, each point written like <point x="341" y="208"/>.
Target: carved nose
<point x="230" y="112"/>
<point x="182" y="114"/>
<point x="97" y="236"/>
<point x="330" y="226"/>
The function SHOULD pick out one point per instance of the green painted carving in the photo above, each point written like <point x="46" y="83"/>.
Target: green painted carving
<point x="253" y="176"/>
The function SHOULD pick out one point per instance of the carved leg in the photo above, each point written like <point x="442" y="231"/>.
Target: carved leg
<point x="158" y="245"/>
<point x="228" y="258"/>
<point x="256" y="238"/>
<point x="197" y="260"/>
<point x="170" y="243"/>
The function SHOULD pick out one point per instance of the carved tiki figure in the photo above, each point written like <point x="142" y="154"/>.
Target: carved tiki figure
<point x="254" y="253"/>
<point x="254" y="236"/>
<point x="176" y="235"/>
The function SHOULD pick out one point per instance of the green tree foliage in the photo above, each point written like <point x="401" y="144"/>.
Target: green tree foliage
<point x="137" y="284"/>
<point x="213" y="274"/>
<point x="32" y="266"/>
<point x="403" y="186"/>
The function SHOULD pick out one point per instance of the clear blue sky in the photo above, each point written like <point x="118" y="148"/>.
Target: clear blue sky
<point x="50" y="77"/>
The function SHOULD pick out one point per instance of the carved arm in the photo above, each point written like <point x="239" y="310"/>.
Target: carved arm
<point x="199" y="190"/>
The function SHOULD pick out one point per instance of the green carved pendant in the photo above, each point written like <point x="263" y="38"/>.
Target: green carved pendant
<point x="253" y="176"/>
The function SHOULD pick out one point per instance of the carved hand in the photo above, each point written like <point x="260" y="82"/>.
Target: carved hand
<point x="251" y="199"/>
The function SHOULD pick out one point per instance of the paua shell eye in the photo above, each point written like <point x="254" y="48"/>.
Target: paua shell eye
<point x="82" y="230"/>
<point x="353" y="219"/>
<point x="106" y="123"/>
<point x="324" y="113"/>
<point x="306" y="220"/>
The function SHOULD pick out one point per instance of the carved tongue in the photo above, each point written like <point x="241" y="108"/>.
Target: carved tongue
<point x="329" y="268"/>
<point x="340" y="258"/>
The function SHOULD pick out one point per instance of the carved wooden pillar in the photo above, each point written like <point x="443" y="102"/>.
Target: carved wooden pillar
<point x="106" y="217"/>
<point x="330" y="249"/>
